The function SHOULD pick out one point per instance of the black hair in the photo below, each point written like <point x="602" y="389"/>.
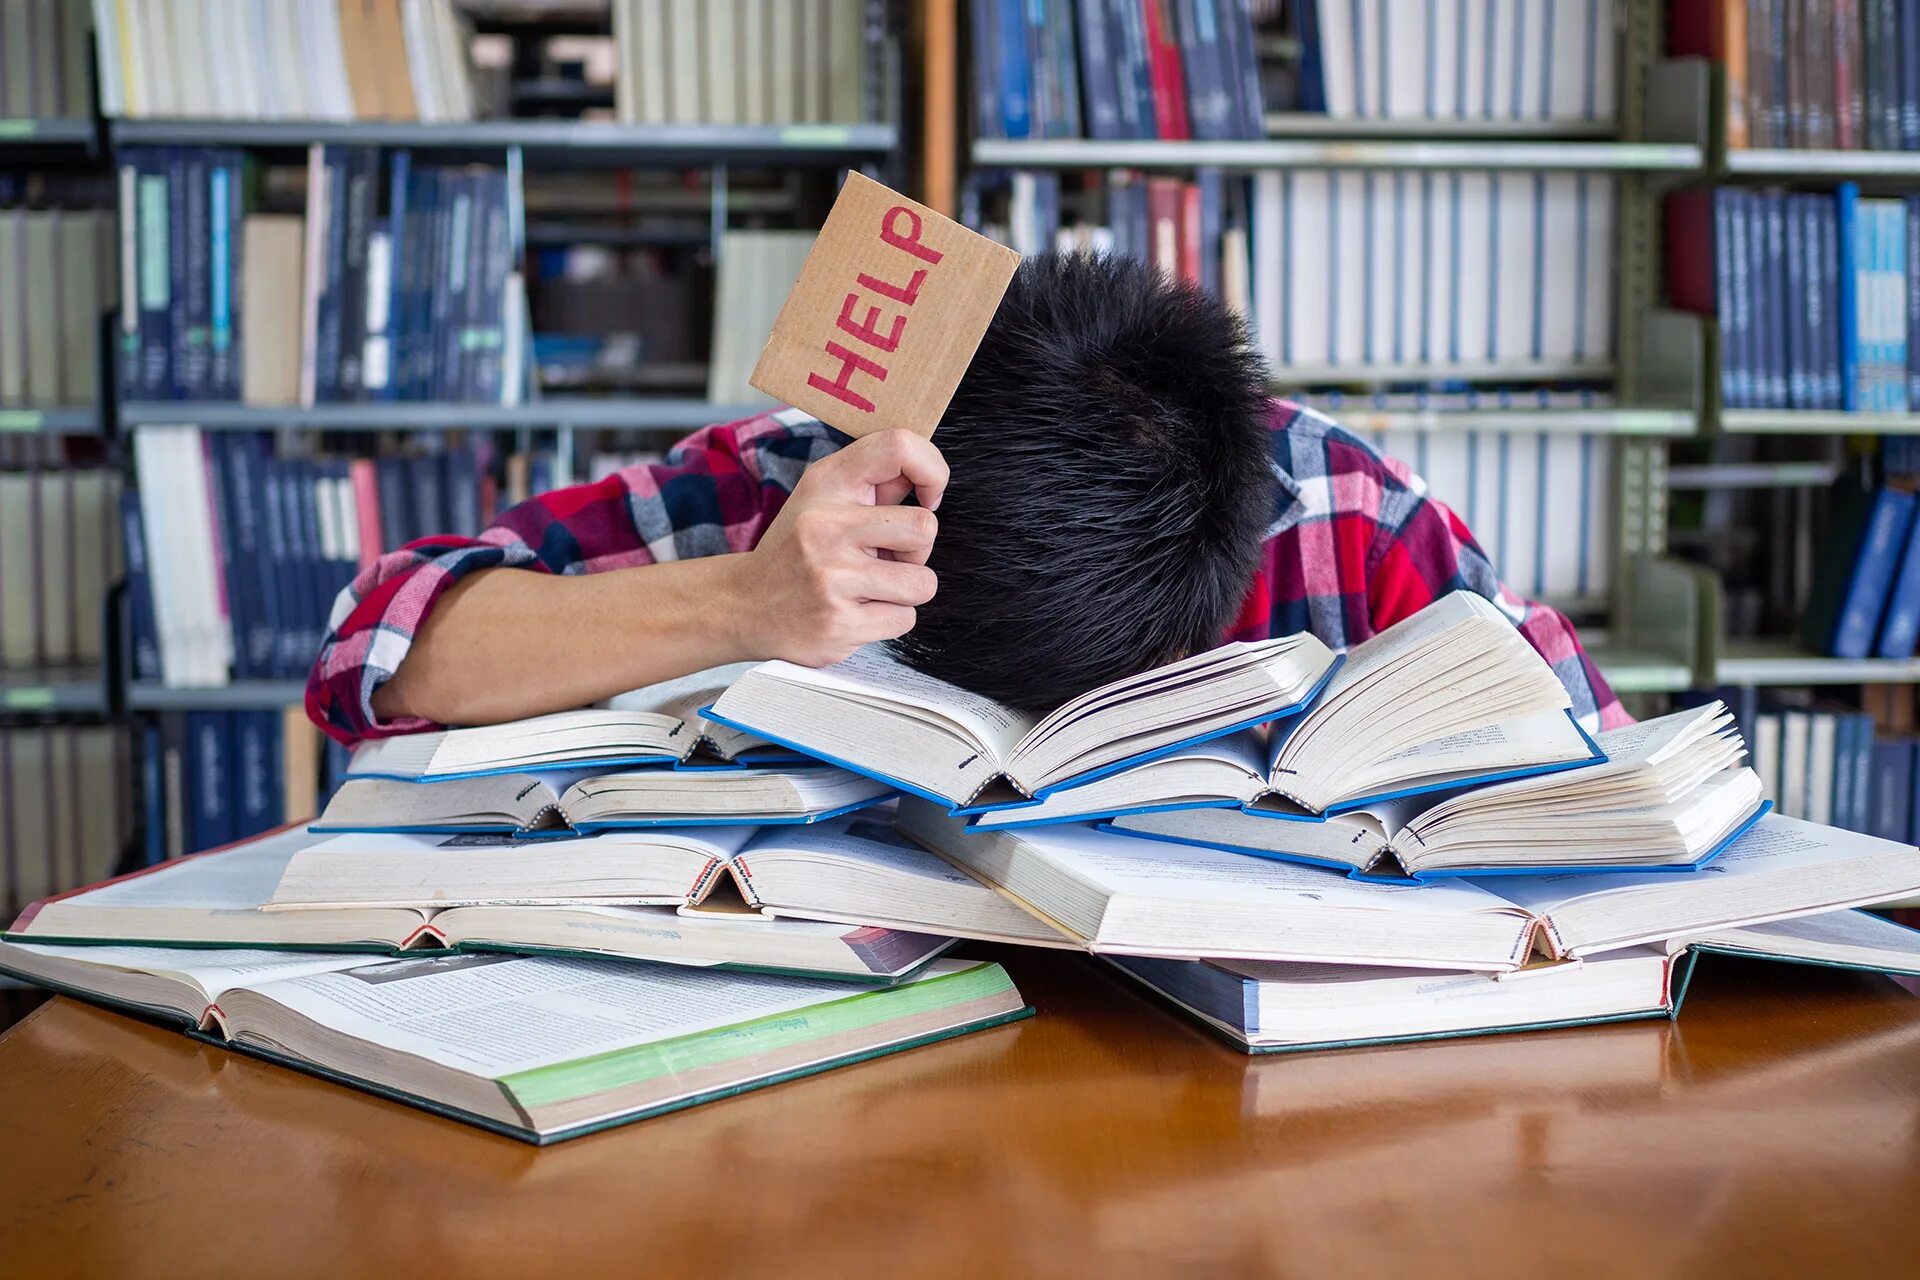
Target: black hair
<point x="1112" y="484"/>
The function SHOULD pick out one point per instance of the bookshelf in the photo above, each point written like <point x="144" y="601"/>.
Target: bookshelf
<point x="55" y="134"/>
<point x="570" y="414"/>
<point x="59" y="691"/>
<point x="1570" y="156"/>
<point x="238" y="695"/>
<point x="50" y="422"/>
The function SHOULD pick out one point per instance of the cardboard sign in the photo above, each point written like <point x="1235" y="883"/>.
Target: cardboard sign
<point x="886" y="315"/>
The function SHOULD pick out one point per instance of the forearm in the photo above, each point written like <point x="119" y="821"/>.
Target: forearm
<point x="506" y="643"/>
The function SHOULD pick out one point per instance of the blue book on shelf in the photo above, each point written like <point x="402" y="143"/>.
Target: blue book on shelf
<point x="1850" y="594"/>
<point x="1775" y="305"/>
<point x="143" y="634"/>
<point x="983" y="37"/>
<point x="1891" y="789"/>
<point x="209" y="760"/>
<point x="1846" y="205"/>
<point x="153" y="797"/>
<point x="1900" y="631"/>
<point x="1100" y="70"/>
<point x="1016" y="78"/>
<point x="1861" y="804"/>
<point x="254" y="774"/>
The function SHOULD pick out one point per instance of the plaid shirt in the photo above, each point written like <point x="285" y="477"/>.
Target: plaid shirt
<point x="1356" y="545"/>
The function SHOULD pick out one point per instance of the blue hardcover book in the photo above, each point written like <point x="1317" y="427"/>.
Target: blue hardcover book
<point x="1213" y="199"/>
<point x="379" y="362"/>
<point x="1861" y="802"/>
<point x="1313" y="74"/>
<point x="255" y="764"/>
<point x="453" y="283"/>
<point x="1868" y="532"/>
<point x="1818" y="329"/>
<point x="1243" y="69"/>
<point x="427" y="474"/>
<point x="153" y="798"/>
<point x="1776" y="305"/>
<point x="1893" y="287"/>
<point x="1747" y="290"/>
<point x="1043" y="95"/>
<point x="1727" y="242"/>
<point x="332" y="276"/>
<point x="177" y="251"/>
<point x="223" y="261"/>
<point x="1846" y="204"/>
<point x="984" y="38"/>
<point x="1840" y="802"/>
<point x="1909" y="67"/>
<point x="462" y="491"/>
<point x="143" y="634"/>
<point x="416" y="282"/>
<point x="251" y="453"/>
<point x="1209" y="106"/>
<point x="209" y="751"/>
<point x="486" y="343"/>
<point x="1063" y="53"/>
<point x="1890" y="792"/>
<point x="1900" y="631"/>
<point x="1913" y="286"/>
<point x="1834" y="346"/>
<point x="1798" y="363"/>
<point x="232" y="479"/>
<point x="1100" y="71"/>
<point x="1130" y="24"/>
<point x="1016" y="77"/>
<point x="397" y="523"/>
<point x="304" y="524"/>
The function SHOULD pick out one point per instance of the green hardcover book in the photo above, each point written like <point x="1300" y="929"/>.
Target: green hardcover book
<point x="536" y="1048"/>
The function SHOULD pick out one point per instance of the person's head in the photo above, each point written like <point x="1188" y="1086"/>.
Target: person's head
<point x="1111" y="485"/>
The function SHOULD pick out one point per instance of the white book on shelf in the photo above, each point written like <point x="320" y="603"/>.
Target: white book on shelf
<point x="327" y="57"/>
<point x="1795" y="732"/>
<point x="1380" y="272"/>
<point x="1406" y="65"/>
<point x="1348" y="319"/>
<point x="1563" y="506"/>
<point x="1517" y="261"/>
<point x="206" y="563"/>
<point x="1598" y="515"/>
<point x="1505" y="59"/>
<point x="1563" y="266"/>
<point x="1767" y="734"/>
<point x="812" y="53"/>
<point x="1473" y="337"/>
<point x="625" y="108"/>
<point x="1308" y="228"/>
<point x="1337" y="57"/>
<point x="109" y="69"/>
<point x="1823" y="733"/>
<point x="1473" y="27"/>
<point x="1524" y="521"/>
<point x="152" y="458"/>
<point x="1444" y="33"/>
<point x="1595" y="339"/>
<point x="719" y="48"/>
<point x="685" y="71"/>
<point x="1369" y="44"/>
<point x="214" y="49"/>
<point x="156" y="58"/>
<point x="232" y="32"/>
<point x="1269" y="264"/>
<point x="1445" y="470"/>
<point x="1410" y="264"/>
<point x="846" y="56"/>
<point x="1569" y="61"/>
<point x="1441" y="233"/>
<point x="1604" y="53"/>
<point x="653" y="58"/>
<point x="455" y="61"/>
<point x="421" y="60"/>
<point x="1484" y="495"/>
<point x="782" y="54"/>
<point x="314" y="260"/>
<point x="756" y="86"/>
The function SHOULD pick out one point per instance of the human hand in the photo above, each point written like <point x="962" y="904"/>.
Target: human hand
<point x="844" y="564"/>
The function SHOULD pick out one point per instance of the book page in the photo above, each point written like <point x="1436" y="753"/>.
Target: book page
<point x="214" y="969"/>
<point x="491" y="1015"/>
<point x="871" y="672"/>
<point x="238" y="879"/>
<point x="1651" y="740"/>
<point x="1544" y="738"/>
<point x="681" y="698"/>
<point x="1834" y="933"/>
<point x="1378" y="652"/>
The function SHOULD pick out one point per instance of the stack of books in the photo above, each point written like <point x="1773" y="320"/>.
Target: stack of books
<point x="592" y="916"/>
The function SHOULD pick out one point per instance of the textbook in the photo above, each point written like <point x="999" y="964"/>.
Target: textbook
<point x="1113" y="894"/>
<point x="881" y="717"/>
<point x="537" y="1048"/>
<point x="1672" y="795"/>
<point x="657" y="725"/>
<point x="852" y="870"/>
<point x="554" y="804"/>
<point x="219" y="899"/>
<point x="1840" y="939"/>
<point x="1449" y="696"/>
<point x="1268" y="1007"/>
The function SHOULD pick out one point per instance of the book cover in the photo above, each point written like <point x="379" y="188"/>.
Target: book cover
<point x="1900" y="631"/>
<point x="1016" y="78"/>
<point x="1864" y="540"/>
<point x="1891" y="789"/>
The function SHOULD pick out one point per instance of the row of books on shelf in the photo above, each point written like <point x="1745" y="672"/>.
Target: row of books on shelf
<point x="209" y="778"/>
<point x="750" y="61"/>
<point x="1865" y="599"/>
<point x="56" y="279"/>
<point x="1827" y="764"/>
<point x="1511" y="60"/>
<point x="45" y="72"/>
<point x="1817" y="296"/>
<point x="65" y="820"/>
<point x="281" y="60"/>
<point x="401" y="281"/>
<point x="59" y="552"/>
<point x="1349" y="271"/>
<point x="1810" y="74"/>
<point x="237" y="546"/>
<point x="1115" y="69"/>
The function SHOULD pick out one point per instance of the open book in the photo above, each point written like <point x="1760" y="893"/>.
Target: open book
<point x="1264" y="1006"/>
<point x="1839" y="939"/>
<point x="1671" y="795"/>
<point x="1451" y="696"/>
<point x="221" y="897"/>
<point x="660" y="724"/>
<point x="564" y="803"/>
<point x="537" y="1048"/>
<point x="1114" y="894"/>
<point x="937" y="740"/>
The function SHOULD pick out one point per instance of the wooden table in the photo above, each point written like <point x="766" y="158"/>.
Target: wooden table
<point x="1774" y="1131"/>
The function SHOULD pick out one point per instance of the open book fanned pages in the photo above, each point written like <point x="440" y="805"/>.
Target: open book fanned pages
<point x="1266" y="1007"/>
<point x="1451" y="696"/>
<point x="565" y="802"/>
<point x="627" y="895"/>
<point x="658" y="725"/>
<point x="1121" y="896"/>
<point x="882" y="718"/>
<point x="540" y="1048"/>
<point x="1672" y="794"/>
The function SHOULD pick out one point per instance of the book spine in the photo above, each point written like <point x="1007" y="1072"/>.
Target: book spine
<point x="207" y="764"/>
<point x="1859" y="805"/>
<point x="240" y="547"/>
<point x="1066" y="67"/>
<point x="153" y="798"/>
<point x="1866" y="593"/>
<point x="1830" y="273"/>
<point x="1886" y="45"/>
<point x="450" y="297"/>
<point x="1016" y="93"/>
<point x="1891" y="789"/>
<point x="1819" y="57"/>
<point x="143" y="634"/>
<point x="379" y="361"/>
<point x="1909" y="18"/>
<point x="1249" y="100"/>
<point x="1100" y="72"/>
<point x="252" y="798"/>
<point x="1043" y="97"/>
<point x="1849" y="102"/>
<point x="1846" y="209"/>
<point x="1777" y="89"/>
<point x="494" y="258"/>
<point x="1900" y="632"/>
<point x="1797" y="74"/>
<point x="332" y="274"/>
<point x="984" y="38"/>
<point x="1796" y="312"/>
<point x="1201" y="65"/>
<point x="1169" y="92"/>
<point x="156" y="278"/>
<point x="357" y="210"/>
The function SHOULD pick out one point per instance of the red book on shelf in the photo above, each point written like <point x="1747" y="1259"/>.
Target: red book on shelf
<point x="1164" y="212"/>
<point x="1190" y="237"/>
<point x="1169" y="83"/>
<point x="1717" y="30"/>
<point x="366" y="503"/>
<point x="1849" y="93"/>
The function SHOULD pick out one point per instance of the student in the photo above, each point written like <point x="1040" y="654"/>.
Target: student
<point x="1112" y="488"/>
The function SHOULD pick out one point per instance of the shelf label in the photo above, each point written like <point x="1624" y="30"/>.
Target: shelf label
<point x="816" y="135"/>
<point x="21" y="419"/>
<point x="890" y="306"/>
<point x="31" y="698"/>
<point x="19" y="128"/>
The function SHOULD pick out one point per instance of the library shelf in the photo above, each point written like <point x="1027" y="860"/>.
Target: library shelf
<point x="240" y="695"/>
<point x="582" y="413"/>
<point x="552" y="142"/>
<point x="80" y="421"/>
<point x="27" y="131"/>
<point x="1781" y="162"/>
<point x="1383" y="373"/>
<point x="1816" y="422"/>
<point x="1302" y="124"/>
<point x="1633" y="671"/>
<point x="1782" y="662"/>
<point x="1332" y="153"/>
<point x="53" y="689"/>
<point x="1754" y="475"/>
<point x="1362" y="417"/>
